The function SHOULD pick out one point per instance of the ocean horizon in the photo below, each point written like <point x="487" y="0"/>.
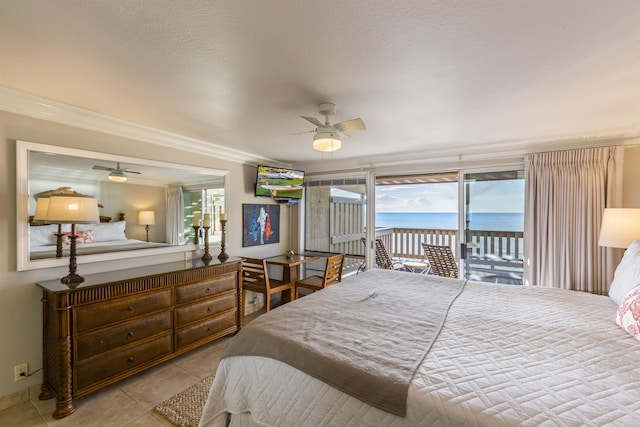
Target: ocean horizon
<point x="494" y="221"/>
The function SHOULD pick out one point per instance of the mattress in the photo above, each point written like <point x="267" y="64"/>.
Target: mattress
<point x="506" y="355"/>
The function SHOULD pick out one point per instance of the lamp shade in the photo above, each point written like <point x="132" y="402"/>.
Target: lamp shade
<point x="327" y="141"/>
<point x="619" y="227"/>
<point x="42" y="206"/>
<point x="146" y="217"/>
<point x="72" y="209"/>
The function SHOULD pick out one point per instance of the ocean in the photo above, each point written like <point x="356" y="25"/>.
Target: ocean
<point x="496" y="221"/>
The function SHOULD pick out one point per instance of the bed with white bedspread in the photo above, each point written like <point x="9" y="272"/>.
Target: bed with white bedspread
<point x="505" y="355"/>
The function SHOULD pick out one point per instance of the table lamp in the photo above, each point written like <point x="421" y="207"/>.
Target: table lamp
<point x="146" y="218"/>
<point x="620" y="227"/>
<point x="72" y="209"/>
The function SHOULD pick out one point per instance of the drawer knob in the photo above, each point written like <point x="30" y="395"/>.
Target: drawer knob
<point x="208" y="309"/>
<point x="130" y="308"/>
<point x="130" y="359"/>
<point x="130" y="335"/>
<point x="209" y="329"/>
<point x="208" y="290"/>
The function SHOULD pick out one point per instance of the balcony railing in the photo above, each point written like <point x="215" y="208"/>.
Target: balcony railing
<point x="493" y="255"/>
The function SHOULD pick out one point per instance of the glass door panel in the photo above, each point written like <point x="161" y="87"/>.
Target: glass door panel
<point x="335" y="220"/>
<point x="493" y="225"/>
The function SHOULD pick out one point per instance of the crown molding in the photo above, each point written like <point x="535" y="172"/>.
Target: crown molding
<point x="24" y="104"/>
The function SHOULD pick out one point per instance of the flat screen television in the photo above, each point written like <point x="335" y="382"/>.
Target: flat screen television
<point x="279" y="183"/>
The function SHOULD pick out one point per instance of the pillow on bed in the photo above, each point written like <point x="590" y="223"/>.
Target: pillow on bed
<point x="627" y="273"/>
<point x="628" y="316"/>
<point x="42" y="235"/>
<point x="83" y="237"/>
<point x="105" y="231"/>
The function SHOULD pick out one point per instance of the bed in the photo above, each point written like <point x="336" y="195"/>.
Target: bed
<point x="504" y="355"/>
<point x="92" y="239"/>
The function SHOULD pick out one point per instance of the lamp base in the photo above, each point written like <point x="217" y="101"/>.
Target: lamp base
<point x="72" y="280"/>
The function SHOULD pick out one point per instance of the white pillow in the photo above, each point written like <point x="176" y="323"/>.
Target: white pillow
<point x="627" y="273"/>
<point x="42" y="235"/>
<point x="105" y="231"/>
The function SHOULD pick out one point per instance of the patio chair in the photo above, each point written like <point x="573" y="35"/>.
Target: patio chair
<point x="383" y="259"/>
<point x="441" y="259"/>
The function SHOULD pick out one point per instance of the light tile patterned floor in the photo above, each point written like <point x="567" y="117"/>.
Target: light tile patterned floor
<point x="129" y="402"/>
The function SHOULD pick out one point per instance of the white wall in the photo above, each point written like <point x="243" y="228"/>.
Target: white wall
<point x="20" y="306"/>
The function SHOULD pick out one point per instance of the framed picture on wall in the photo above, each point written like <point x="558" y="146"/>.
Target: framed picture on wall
<point x="260" y="224"/>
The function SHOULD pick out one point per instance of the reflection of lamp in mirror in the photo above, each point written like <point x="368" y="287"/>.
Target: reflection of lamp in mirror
<point x="620" y="227"/>
<point x="72" y="209"/>
<point x="146" y="218"/>
<point x="40" y="216"/>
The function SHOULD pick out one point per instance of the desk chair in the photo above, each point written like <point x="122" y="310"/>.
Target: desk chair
<point x="441" y="259"/>
<point x="255" y="278"/>
<point x="332" y="275"/>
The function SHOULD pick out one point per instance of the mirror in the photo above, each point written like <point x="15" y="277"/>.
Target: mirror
<point x="124" y="187"/>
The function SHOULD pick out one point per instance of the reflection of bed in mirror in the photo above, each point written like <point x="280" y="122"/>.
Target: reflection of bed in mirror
<point x="96" y="238"/>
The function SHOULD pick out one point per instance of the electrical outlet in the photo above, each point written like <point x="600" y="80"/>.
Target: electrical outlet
<point x="21" y="371"/>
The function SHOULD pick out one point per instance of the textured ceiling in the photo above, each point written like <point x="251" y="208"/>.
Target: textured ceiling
<point x="429" y="78"/>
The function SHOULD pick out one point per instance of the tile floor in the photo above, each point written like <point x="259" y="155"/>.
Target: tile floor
<point x="129" y="402"/>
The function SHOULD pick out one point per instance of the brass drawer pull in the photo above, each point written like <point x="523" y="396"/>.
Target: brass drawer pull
<point x="208" y="309"/>
<point x="208" y="290"/>
<point x="130" y="359"/>
<point x="130" y="308"/>
<point x="130" y="335"/>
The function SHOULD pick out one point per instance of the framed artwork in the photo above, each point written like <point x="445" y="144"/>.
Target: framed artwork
<point x="260" y="224"/>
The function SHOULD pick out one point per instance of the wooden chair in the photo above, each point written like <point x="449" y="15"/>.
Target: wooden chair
<point x="441" y="259"/>
<point x="332" y="275"/>
<point x="383" y="259"/>
<point x="255" y="278"/>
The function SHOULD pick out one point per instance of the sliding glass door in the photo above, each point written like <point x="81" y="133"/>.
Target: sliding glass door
<point x="492" y="226"/>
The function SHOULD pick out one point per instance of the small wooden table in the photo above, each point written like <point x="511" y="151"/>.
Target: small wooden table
<point x="290" y="269"/>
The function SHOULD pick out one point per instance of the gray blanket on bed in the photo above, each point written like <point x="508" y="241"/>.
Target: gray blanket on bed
<point x="365" y="336"/>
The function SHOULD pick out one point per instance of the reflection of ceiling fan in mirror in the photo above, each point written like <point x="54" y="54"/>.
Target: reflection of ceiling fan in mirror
<point x="116" y="174"/>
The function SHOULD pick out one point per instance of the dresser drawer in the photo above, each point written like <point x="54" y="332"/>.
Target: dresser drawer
<point x="206" y="328"/>
<point x="93" y="316"/>
<point x="199" y="310"/>
<point x="121" y="334"/>
<point x="205" y="288"/>
<point x="118" y="362"/>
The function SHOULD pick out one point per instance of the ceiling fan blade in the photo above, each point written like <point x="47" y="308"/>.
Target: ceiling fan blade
<point x="128" y="171"/>
<point x="101" y="168"/>
<point x="350" y="125"/>
<point x="313" y="120"/>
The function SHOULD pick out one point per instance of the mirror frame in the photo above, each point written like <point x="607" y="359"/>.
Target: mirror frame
<point x="22" y="205"/>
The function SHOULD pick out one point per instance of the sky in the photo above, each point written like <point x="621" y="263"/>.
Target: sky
<point x="485" y="196"/>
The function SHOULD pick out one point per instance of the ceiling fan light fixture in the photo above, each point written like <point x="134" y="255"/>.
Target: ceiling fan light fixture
<point x="326" y="142"/>
<point x="117" y="175"/>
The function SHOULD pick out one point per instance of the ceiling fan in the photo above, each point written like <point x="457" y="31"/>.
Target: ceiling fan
<point x="327" y="137"/>
<point x="116" y="174"/>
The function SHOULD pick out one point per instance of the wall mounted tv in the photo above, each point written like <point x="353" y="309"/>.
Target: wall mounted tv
<point x="279" y="183"/>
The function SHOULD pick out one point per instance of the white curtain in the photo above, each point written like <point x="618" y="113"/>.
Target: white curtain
<point x="175" y="215"/>
<point x="566" y="193"/>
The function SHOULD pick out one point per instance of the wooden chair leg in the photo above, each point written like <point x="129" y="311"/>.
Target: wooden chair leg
<point x="267" y="301"/>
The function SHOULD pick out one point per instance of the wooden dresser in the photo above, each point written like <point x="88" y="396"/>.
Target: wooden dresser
<point x="119" y="323"/>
